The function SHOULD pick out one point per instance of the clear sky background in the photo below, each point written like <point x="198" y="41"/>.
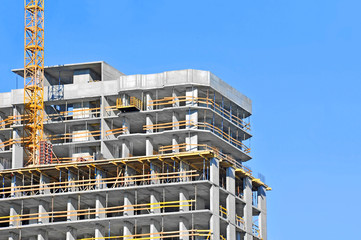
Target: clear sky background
<point x="299" y="62"/>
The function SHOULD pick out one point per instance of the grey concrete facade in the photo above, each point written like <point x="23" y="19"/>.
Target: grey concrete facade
<point x="157" y="156"/>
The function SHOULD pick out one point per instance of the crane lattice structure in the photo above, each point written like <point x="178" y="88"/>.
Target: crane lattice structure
<point x="33" y="79"/>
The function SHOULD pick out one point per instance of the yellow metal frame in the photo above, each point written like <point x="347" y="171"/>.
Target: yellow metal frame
<point x="33" y="79"/>
<point x="133" y="103"/>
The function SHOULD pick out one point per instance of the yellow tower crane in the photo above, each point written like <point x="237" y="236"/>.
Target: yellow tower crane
<point x="33" y="80"/>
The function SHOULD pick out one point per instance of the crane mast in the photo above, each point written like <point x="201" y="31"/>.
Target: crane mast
<point x="33" y="79"/>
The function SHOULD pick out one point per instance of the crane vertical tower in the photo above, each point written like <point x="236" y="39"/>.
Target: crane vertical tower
<point x="33" y="79"/>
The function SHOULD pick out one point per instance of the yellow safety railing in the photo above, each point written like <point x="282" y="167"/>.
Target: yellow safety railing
<point x="202" y="100"/>
<point x="239" y="221"/>
<point x="223" y="238"/>
<point x="223" y="212"/>
<point x="200" y="125"/>
<point x="93" y="211"/>
<point x="160" y="235"/>
<point x="183" y="147"/>
<point x="68" y="136"/>
<point x="256" y="231"/>
<point x="87" y="184"/>
<point x="133" y="102"/>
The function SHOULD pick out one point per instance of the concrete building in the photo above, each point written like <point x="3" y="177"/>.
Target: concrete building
<point x="157" y="156"/>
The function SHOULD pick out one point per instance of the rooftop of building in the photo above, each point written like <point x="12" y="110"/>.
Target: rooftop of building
<point x="105" y="79"/>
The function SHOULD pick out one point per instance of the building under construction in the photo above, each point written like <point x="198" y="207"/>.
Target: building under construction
<point x="157" y="156"/>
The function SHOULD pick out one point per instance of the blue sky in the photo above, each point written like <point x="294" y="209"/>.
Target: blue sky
<point x="299" y="61"/>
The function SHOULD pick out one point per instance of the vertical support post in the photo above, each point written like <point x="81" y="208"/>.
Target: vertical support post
<point x="154" y="229"/>
<point x="263" y="215"/>
<point x="100" y="184"/>
<point x="148" y="99"/>
<point x="183" y="198"/>
<point x="214" y="199"/>
<point x="99" y="207"/>
<point x="127" y="230"/>
<point x="43" y="212"/>
<point x="248" y="216"/>
<point x="149" y="147"/>
<point x="99" y="232"/>
<point x="128" y="202"/>
<point x="175" y="142"/>
<point x="149" y="121"/>
<point x="183" y="228"/>
<point x="71" y="208"/>
<point x="44" y="180"/>
<point x="125" y="149"/>
<point x="154" y="201"/>
<point x="15" y="181"/>
<point x="175" y="121"/>
<point x="43" y="234"/>
<point x="231" y="203"/>
<point x="126" y="125"/>
<point x="15" y="211"/>
<point x="175" y="98"/>
<point x="71" y="233"/>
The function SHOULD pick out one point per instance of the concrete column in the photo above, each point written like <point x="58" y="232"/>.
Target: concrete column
<point x="128" y="173"/>
<point x="183" y="168"/>
<point x="106" y="150"/>
<point x="248" y="217"/>
<point x="154" y="200"/>
<point x="214" y="171"/>
<point x="42" y="235"/>
<point x="15" y="210"/>
<point x="71" y="233"/>
<point x="15" y="181"/>
<point x="71" y="207"/>
<point x="192" y="118"/>
<point x="148" y="98"/>
<point x="175" y="98"/>
<point x="17" y="156"/>
<point x="231" y="203"/>
<point x="263" y="215"/>
<point x="99" y="232"/>
<point x="192" y="95"/>
<point x="192" y="142"/>
<point x="128" y="201"/>
<point x="127" y="230"/>
<point x="18" y="151"/>
<point x="99" y="207"/>
<point x="214" y="199"/>
<point x="125" y="149"/>
<point x="175" y="120"/>
<point x="99" y="175"/>
<point x="154" y="170"/>
<point x="175" y="142"/>
<point x="183" y="198"/>
<point x="149" y="148"/>
<point x="126" y="125"/>
<point x="149" y="121"/>
<point x="71" y="177"/>
<point x="44" y="187"/>
<point x="183" y="228"/>
<point x="43" y="212"/>
<point x="155" y="228"/>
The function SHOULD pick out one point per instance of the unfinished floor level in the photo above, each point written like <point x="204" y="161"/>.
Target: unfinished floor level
<point x="157" y="156"/>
